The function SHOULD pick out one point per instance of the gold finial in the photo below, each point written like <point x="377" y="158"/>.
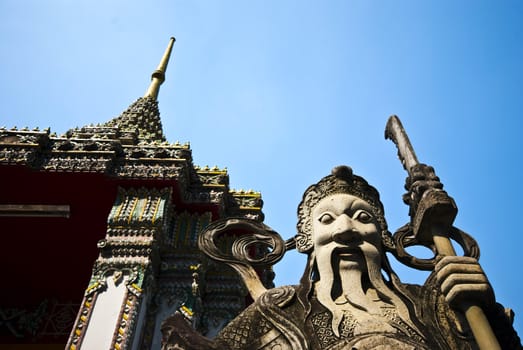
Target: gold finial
<point x="158" y="76"/>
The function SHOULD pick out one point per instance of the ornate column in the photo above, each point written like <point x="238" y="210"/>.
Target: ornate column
<point x="123" y="280"/>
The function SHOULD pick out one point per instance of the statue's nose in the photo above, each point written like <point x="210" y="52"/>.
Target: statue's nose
<point x="344" y="231"/>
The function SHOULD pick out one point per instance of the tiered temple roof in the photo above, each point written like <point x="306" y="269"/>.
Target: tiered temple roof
<point x="120" y="204"/>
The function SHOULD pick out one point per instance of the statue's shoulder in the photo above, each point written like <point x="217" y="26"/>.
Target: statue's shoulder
<point x="270" y="302"/>
<point x="268" y="322"/>
<point x="278" y="296"/>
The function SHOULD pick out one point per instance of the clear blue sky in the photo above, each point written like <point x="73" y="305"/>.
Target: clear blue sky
<point x="279" y="92"/>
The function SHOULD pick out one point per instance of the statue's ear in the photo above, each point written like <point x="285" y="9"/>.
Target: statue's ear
<point x="303" y="242"/>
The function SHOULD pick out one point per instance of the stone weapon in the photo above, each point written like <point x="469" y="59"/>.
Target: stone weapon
<point x="432" y="213"/>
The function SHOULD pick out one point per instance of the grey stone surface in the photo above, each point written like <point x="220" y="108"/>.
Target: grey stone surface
<point x="349" y="297"/>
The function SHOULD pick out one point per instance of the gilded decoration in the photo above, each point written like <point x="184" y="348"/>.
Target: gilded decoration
<point x="81" y="323"/>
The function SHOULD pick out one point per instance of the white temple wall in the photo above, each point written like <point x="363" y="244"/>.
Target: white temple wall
<point x="103" y="322"/>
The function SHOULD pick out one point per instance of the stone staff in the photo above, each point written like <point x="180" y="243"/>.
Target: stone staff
<point x="432" y="213"/>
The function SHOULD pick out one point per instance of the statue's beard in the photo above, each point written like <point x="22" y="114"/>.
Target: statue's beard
<point x="331" y="294"/>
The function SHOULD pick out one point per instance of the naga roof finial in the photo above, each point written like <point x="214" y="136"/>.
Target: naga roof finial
<point x="158" y="76"/>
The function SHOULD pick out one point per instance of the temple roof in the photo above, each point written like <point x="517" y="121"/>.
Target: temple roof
<point x="141" y="120"/>
<point x="142" y="117"/>
<point x="131" y="146"/>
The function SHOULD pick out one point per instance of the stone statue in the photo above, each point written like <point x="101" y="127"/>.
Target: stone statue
<point x="349" y="297"/>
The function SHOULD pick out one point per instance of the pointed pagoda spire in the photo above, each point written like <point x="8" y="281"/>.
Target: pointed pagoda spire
<point x="140" y="122"/>
<point x="158" y="76"/>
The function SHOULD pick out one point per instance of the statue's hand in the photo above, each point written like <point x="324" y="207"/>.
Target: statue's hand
<point x="463" y="282"/>
<point x="422" y="177"/>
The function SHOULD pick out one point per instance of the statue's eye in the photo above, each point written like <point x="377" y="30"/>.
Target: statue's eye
<point x="364" y="217"/>
<point x="326" y="218"/>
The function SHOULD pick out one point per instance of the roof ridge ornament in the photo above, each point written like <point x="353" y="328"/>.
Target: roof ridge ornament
<point x="158" y="76"/>
<point x="140" y="122"/>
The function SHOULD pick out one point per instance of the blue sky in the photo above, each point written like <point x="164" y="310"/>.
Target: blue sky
<point x="279" y="92"/>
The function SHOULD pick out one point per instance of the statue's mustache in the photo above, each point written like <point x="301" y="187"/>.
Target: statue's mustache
<point x="339" y="253"/>
<point x="347" y="249"/>
<point x="357" y="246"/>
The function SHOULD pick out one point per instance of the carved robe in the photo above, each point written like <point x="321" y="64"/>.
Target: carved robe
<point x="277" y="320"/>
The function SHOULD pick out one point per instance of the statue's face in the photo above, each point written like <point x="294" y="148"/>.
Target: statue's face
<point x="342" y="225"/>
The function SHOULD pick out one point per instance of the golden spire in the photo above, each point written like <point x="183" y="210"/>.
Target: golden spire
<point x="158" y="76"/>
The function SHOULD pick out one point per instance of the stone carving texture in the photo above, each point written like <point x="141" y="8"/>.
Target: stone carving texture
<point x="349" y="297"/>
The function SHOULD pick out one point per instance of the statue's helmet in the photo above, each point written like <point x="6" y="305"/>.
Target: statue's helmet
<point x="341" y="180"/>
